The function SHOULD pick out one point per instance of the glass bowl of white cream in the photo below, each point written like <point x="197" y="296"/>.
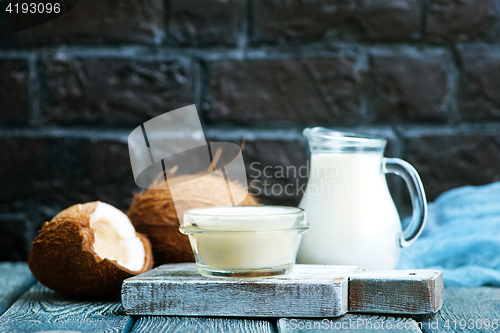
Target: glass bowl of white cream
<point x="246" y="241"/>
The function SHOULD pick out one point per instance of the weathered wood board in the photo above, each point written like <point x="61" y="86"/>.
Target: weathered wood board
<point x="15" y="279"/>
<point x="310" y="291"/>
<point x="179" y="290"/>
<point x="403" y="291"/>
<point x="40" y="310"/>
<point x="349" y="323"/>
<point x="148" y="324"/>
<point x="465" y="310"/>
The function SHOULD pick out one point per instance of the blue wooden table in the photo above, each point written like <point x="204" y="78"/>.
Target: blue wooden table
<point x="27" y="306"/>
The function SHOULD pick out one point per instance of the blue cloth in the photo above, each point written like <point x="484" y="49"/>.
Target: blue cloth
<point x="461" y="238"/>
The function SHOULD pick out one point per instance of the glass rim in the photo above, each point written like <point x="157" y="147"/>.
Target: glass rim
<point x="195" y="212"/>
<point x="210" y="219"/>
<point x="344" y="138"/>
<point x="190" y="230"/>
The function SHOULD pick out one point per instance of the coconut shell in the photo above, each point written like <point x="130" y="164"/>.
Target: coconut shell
<point x="62" y="257"/>
<point x="153" y="213"/>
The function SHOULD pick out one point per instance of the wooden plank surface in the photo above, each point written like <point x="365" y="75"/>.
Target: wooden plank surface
<point x="179" y="290"/>
<point x="349" y="323"/>
<point x="40" y="309"/>
<point x="162" y="324"/>
<point x="397" y="291"/>
<point x="15" y="280"/>
<point x="309" y="291"/>
<point x="466" y="310"/>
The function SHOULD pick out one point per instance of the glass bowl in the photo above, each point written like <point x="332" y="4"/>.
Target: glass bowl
<point x="247" y="241"/>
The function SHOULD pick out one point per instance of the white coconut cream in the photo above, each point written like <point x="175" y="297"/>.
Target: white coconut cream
<point x="244" y="241"/>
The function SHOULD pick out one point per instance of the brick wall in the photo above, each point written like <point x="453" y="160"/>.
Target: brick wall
<point x="422" y="73"/>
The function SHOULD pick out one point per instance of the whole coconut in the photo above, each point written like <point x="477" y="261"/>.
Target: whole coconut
<point x="154" y="214"/>
<point x="87" y="250"/>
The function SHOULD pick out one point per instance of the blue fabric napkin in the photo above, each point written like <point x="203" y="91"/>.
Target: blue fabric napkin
<point x="461" y="238"/>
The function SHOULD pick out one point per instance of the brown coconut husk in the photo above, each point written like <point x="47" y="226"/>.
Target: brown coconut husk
<point x="63" y="259"/>
<point x="153" y="213"/>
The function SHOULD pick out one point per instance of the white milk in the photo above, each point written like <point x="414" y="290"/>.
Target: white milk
<point x="244" y="237"/>
<point x="246" y="250"/>
<point x="353" y="219"/>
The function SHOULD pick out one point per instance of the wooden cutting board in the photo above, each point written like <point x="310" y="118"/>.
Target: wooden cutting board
<point x="308" y="291"/>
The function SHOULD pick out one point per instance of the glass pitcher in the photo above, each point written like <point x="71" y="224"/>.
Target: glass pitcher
<point x="353" y="219"/>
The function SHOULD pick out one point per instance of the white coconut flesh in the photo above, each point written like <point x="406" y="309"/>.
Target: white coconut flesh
<point x="115" y="237"/>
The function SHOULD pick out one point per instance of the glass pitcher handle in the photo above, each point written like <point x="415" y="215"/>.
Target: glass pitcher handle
<point x="417" y="194"/>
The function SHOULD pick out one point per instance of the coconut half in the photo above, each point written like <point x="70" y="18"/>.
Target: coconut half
<point x="87" y="250"/>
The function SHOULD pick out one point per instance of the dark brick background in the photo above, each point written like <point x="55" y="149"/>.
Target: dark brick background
<point x="422" y="73"/>
<point x="98" y="21"/>
<point x="113" y="90"/>
<point x="14" y="91"/>
<point x="282" y="89"/>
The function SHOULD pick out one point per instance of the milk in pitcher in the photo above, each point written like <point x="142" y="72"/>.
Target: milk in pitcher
<point x="353" y="219"/>
<point x="348" y="200"/>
